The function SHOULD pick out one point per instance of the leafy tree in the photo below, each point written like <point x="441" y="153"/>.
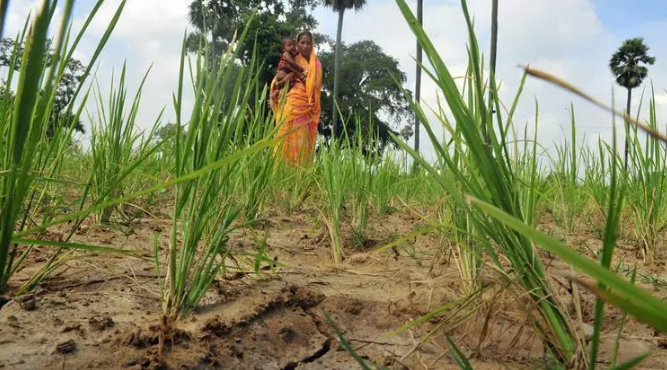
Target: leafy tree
<point x="64" y="91"/>
<point x="368" y="92"/>
<point x="165" y="132"/>
<point x="339" y="6"/>
<point x="628" y="65"/>
<point x="216" y="21"/>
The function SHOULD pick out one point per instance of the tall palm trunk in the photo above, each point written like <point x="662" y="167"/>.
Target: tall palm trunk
<point x="418" y="83"/>
<point x="4" y="5"/>
<point x="494" y="52"/>
<point x="627" y="127"/>
<point x="334" y="115"/>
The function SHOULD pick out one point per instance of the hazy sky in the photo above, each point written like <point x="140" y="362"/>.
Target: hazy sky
<point x="570" y="38"/>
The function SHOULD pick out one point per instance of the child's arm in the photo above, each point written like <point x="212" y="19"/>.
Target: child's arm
<point x="281" y="82"/>
<point x="291" y="63"/>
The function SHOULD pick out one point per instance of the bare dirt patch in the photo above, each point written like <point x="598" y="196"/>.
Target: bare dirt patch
<point x="103" y="311"/>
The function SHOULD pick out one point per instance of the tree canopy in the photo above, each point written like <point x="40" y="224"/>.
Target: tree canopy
<point x="65" y="90"/>
<point x="368" y="89"/>
<point x="368" y="94"/>
<point x="626" y="63"/>
<point x="216" y="22"/>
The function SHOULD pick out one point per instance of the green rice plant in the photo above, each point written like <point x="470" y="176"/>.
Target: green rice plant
<point x="595" y="180"/>
<point x="488" y="173"/>
<point x="28" y="157"/>
<point x="388" y="175"/>
<point x="204" y="207"/>
<point x="256" y="175"/>
<point x="616" y="195"/>
<point x="566" y="188"/>
<point x="335" y="178"/>
<point x="649" y="178"/>
<point x="114" y="161"/>
<point x="467" y="236"/>
<point x="610" y="287"/>
<point x="257" y="170"/>
<point x="466" y="247"/>
<point x="361" y="176"/>
<point x="527" y="173"/>
<point x="116" y="145"/>
<point x="293" y="185"/>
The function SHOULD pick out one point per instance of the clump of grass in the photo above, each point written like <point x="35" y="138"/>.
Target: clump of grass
<point x="649" y="177"/>
<point x="610" y="287"/>
<point x="362" y="176"/>
<point x="335" y="179"/>
<point x="208" y="159"/>
<point x="116" y="145"/>
<point x="293" y="186"/>
<point x="488" y="173"/>
<point x="25" y="148"/>
<point x="565" y="187"/>
<point x="257" y="169"/>
<point x="388" y="174"/>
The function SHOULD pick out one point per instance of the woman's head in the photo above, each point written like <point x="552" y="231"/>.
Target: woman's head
<point x="304" y="43"/>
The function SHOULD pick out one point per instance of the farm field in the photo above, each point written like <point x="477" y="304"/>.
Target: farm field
<point x="191" y="245"/>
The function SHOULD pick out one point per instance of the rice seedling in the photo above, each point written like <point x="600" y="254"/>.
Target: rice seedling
<point x="595" y="183"/>
<point x="648" y="173"/>
<point x="335" y="179"/>
<point x="385" y="184"/>
<point x="204" y="209"/>
<point x="23" y="127"/>
<point x="489" y="174"/>
<point x="610" y="287"/>
<point x="257" y="169"/>
<point x="116" y="145"/>
<point x="361" y="177"/>
<point x="293" y="186"/>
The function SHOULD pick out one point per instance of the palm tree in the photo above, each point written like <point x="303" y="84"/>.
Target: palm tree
<point x="626" y="65"/>
<point x="339" y="6"/>
<point x="418" y="83"/>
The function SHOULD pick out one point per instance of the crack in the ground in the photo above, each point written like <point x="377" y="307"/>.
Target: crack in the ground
<point x="326" y="347"/>
<point x="293" y="296"/>
<point x="321" y="327"/>
<point x="323" y="350"/>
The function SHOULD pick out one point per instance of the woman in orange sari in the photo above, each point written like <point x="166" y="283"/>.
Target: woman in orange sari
<point x="298" y="113"/>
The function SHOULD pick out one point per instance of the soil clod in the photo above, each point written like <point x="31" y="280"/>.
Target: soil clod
<point x="28" y="302"/>
<point x="288" y="334"/>
<point x="66" y="347"/>
<point x="101" y="324"/>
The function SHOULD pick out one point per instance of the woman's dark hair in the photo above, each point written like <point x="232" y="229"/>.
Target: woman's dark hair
<point x="304" y="33"/>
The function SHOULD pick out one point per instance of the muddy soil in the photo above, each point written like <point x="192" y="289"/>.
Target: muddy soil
<point x="102" y="311"/>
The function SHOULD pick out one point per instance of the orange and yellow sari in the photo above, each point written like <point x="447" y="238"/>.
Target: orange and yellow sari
<point x="298" y="114"/>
